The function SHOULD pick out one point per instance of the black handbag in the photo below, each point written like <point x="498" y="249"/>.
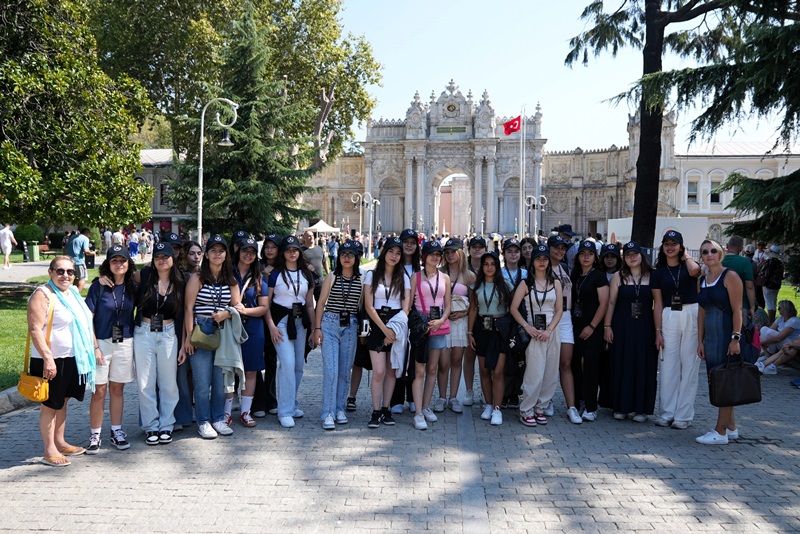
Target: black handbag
<point x="734" y="384"/>
<point x="519" y="340"/>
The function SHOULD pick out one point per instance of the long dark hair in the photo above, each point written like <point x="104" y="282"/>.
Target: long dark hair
<point x="225" y="274"/>
<point x="175" y="280"/>
<point x="397" y="283"/>
<point x="105" y="270"/>
<point x="338" y="269"/>
<point x="503" y="294"/>
<point x="183" y="263"/>
<point x="550" y="277"/>
<point x="302" y="266"/>
<point x="625" y="271"/>
<point x="253" y="271"/>
<point x="416" y="260"/>
<point x="577" y="270"/>
<point x="662" y="256"/>
<point x="523" y="260"/>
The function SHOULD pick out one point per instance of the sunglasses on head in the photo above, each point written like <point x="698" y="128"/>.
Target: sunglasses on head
<point x="707" y="251"/>
<point x="62" y="272"/>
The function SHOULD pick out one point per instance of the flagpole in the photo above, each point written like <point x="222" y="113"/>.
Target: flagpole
<point x="521" y="218"/>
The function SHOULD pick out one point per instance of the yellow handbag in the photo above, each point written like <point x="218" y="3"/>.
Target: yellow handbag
<point x="36" y="388"/>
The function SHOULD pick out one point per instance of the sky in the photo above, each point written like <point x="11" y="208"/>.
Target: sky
<point x="514" y="49"/>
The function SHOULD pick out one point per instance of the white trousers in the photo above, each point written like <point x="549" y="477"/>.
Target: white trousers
<point x="679" y="365"/>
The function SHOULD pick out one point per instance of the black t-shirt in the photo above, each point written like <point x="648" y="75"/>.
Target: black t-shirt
<point x="674" y="279"/>
<point x="584" y="295"/>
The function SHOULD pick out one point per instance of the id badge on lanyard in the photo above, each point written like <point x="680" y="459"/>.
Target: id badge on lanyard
<point x="157" y="322"/>
<point x="677" y="302"/>
<point x="116" y="333"/>
<point x="636" y="310"/>
<point x="344" y="319"/>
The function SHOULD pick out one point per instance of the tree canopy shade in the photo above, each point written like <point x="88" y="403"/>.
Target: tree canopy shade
<point x="643" y="24"/>
<point x="257" y="184"/>
<point x="175" y="49"/>
<point x="64" y="150"/>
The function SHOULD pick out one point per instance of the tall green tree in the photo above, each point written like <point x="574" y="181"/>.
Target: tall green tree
<point x="175" y="49"/>
<point x="644" y="24"/>
<point x="256" y="185"/>
<point x="65" y="156"/>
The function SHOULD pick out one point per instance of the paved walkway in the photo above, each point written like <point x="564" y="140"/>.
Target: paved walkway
<point x="461" y="475"/>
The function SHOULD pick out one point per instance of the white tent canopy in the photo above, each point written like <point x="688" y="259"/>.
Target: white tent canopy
<point x="323" y="227"/>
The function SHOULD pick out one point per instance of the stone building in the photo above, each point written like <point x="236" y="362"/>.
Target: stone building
<point x="455" y="140"/>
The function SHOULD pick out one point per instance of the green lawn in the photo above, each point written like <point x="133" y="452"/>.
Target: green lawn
<point x="13" y="324"/>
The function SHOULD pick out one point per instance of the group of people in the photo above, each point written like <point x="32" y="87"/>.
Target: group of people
<point x="602" y="325"/>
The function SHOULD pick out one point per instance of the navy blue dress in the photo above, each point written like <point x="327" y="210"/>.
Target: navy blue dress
<point x="253" y="348"/>
<point x="718" y="320"/>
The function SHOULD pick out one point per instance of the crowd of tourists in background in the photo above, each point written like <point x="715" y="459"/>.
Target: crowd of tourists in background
<point x="203" y="331"/>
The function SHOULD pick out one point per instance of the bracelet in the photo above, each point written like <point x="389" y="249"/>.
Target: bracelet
<point x="606" y="326"/>
<point x="590" y="325"/>
<point x="317" y="329"/>
<point x="658" y="330"/>
<point x="97" y="347"/>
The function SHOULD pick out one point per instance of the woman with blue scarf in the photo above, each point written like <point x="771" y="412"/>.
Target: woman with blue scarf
<point x="64" y="351"/>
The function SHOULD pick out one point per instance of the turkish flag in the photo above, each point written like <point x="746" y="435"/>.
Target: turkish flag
<point x="513" y="125"/>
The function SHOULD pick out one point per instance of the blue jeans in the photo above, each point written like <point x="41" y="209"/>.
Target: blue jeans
<point x="183" y="411"/>
<point x="290" y="367"/>
<point x="338" y="353"/>
<point x="156" y="357"/>
<point x="205" y="376"/>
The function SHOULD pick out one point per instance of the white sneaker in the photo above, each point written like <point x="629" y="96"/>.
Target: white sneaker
<point x="639" y="418"/>
<point x="760" y="366"/>
<point x="222" y="428"/>
<point x="732" y="434"/>
<point x="661" y="421"/>
<point x="589" y="416"/>
<point x="328" y="423"/>
<point x="419" y="422"/>
<point x="770" y="369"/>
<point x="487" y="412"/>
<point x="397" y="409"/>
<point x="469" y="398"/>
<point x="712" y="438"/>
<point x="439" y="405"/>
<point x="286" y="422"/>
<point x="429" y="415"/>
<point x="412" y="407"/>
<point x="298" y="413"/>
<point x="574" y="416"/>
<point x="341" y="418"/>
<point x="497" y="416"/>
<point x="273" y="411"/>
<point x="683" y="425"/>
<point x="761" y="359"/>
<point x="206" y="431"/>
<point x="259" y="413"/>
<point x="455" y="406"/>
<point x="550" y="411"/>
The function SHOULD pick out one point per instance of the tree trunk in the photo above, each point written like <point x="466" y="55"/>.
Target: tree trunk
<point x="648" y="166"/>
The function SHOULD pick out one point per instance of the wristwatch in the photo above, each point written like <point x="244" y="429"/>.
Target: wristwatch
<point x="736" y="335"/>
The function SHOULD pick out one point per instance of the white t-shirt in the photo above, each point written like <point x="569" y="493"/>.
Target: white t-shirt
<point x="794" y="324"/>
<point x="118" y="238"/>
<point x="6" y="235"/>
<point x="379" y="294"/>
<point x="287" y="292"/>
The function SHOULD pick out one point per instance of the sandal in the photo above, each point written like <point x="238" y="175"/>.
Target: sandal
<point x="74" y="450"/>
<point x="541" y="418"/>
<point x="55" y="461"/>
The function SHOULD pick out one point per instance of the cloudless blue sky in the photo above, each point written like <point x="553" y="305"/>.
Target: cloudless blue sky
<point x="515" y="49"/>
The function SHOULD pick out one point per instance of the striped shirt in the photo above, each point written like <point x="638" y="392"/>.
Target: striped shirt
<point x="345" y="295"/>
<point x="212" y="297"/>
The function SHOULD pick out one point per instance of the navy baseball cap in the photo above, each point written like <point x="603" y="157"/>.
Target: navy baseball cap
<point x="216" y="240"/>
<point x="511" y="242"/>
<point x="539" y="251"/>
<point x="118" y="250"/>
<point x="610" y="248"/>
<point x="633" y="246"/>
<point x="557" y="241"/>
<point x="239" y="235"/>
<point x="673" y="235"/>
<point x="171" y="238"/>
<point x="454" y="244"/>
<point x="290" y="241"/>
<point x="408" y="232"/>
<point x="275" y="238"/>
<point x="430" y="247"/>
<point x="248" y="243"/>
<point x="393" y="242"/>
<point x="477" y="240"/>
<point x="349" y="247"/>
<point x="163" y="249"/>
<point x="359" y="247"/>
<point x="587" y="245"/>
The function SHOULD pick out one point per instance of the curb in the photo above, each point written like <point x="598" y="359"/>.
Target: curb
<point x="11" y="400"/>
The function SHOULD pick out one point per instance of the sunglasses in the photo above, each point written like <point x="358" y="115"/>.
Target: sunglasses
<point x="706" y="252"/>
<point x="62" y="272"/>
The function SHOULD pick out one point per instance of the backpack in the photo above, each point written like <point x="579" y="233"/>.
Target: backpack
<point x="770" y="274"/>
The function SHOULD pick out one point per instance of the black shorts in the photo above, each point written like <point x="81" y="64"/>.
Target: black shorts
<point x="64" y="385"/>
<point x="362" y="356"/>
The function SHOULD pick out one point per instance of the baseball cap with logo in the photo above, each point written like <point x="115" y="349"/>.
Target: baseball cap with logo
<point x="673" y="235"/>
<point x="587" y="245"/>
<point x="290" y="241"/>
<point x="216" y="240"/>
<point x="512" y="242"/>
<point x="349" y="247"/>
<point x="454" y="244"/>
<point x="248" y="243"/>
<point x="118" y="250"/>
<point x="477" y="240"/>
<point x="275" y="238"/>
<point x="163" y="249"/>
<point x="172" y="238"/>
<point x="408" y="232"/>
<point x="633" y="246"/>
<point x="430" y="247"/>
<point x="239" y="235"/>
<point x="539" y="251"/>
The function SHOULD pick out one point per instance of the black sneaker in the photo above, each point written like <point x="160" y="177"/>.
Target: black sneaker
<point x="513" y="403"/>
<point x="351" y="404"/>
<point x="164" y="437"/>
<point x="386" y="417"/>
<point x="94" y="444"/>
<point x="375" y="420"/>
<point x="119" y="439"/>
<point x="152" y="438"/>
